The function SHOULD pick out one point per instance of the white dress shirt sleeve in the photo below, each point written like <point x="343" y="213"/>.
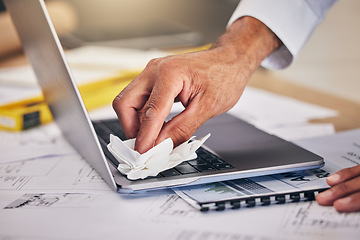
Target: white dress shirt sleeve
<point x="293" y="21"/>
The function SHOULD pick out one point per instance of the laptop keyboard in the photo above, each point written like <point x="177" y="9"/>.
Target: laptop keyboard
<point x="205" y="162"/>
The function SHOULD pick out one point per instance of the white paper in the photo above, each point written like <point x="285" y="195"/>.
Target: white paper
<point x="111" y="58"/>
<point x="25" y="76"/>
<point x="45" y="140"/>
<point x="11" y="94"/>
<point x="266" y="110"/>
<point x="341" y="150"/>
<point x="87" y="211"/>
<point x="56" y="173"/>
<point x="87" y="64"/>
<point x="301" y="131"/>
<point x="159" y="158"/>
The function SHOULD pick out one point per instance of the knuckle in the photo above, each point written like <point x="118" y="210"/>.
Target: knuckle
<point x="150" y="112"/>
<point x="171" y="66"/>
<point x="118" y="100"/>
<point x="153" y="62"/>
<point x="346" y="172"/>
<point x="341" y="189"/>
<point x="182" y="133"/>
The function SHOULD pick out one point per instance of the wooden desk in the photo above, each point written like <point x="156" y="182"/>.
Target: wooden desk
<point x="349" y="112"/>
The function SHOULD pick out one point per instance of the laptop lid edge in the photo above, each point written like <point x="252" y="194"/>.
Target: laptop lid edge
<point x="34" y="27"/>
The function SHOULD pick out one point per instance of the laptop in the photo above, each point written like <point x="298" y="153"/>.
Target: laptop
<point x="235" y="150"/>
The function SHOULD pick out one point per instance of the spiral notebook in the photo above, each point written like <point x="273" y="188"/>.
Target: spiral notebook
<point x="256" y="191"/>
<point x="341" y="150"/>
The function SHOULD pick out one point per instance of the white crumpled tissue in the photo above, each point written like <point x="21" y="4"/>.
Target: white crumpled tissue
<point x="157" y="159"/>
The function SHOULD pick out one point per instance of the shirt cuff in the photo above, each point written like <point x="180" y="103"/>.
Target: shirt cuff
<point x="292" y="21"/>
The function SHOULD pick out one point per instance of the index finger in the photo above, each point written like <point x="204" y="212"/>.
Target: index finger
<point x="155" y="111"/>
<point x="129" y="102"/>
<point x="343" y="175"/>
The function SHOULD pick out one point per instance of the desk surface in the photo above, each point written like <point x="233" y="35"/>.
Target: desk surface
<point x="63" y="195"/>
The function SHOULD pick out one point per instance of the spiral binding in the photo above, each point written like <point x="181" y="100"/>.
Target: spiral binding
<point x="263" y="200"/>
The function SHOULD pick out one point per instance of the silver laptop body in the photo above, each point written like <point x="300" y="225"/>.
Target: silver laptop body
<point x="251" y="151"/>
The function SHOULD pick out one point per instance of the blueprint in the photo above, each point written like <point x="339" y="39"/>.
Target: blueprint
<point x="48" y="191"/>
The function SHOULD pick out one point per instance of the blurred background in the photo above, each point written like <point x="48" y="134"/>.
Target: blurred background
<point x="329" y="62"/>
<point x="150" y="24"/>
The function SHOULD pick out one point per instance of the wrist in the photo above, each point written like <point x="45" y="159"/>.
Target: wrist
<point x="247" y="41"/>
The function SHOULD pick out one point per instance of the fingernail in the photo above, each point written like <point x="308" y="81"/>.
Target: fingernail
<point x="344" y="201"/>
<point x="334" y="177"/>
<point x="326" y="194"/>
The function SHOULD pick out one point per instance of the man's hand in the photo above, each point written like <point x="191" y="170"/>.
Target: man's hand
<point x="344" y="193"/>
<point x="207" y="83"/>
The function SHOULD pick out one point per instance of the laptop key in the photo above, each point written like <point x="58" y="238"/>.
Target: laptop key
<point x="186" y="169"/>
<point x="223" y="166"/>
<point x="204" y="168"/>
<point x="197" y="161"/>
<point x="170" y="172"/>
<point x="102" y="131"/>
<point x="210" y="158"/>
<point x="214" y="161"/>
<point x="202" y="153"/>
<point x="115" y="128"/>
<point x="150" y="177"/>
<point x="183" y="163"/>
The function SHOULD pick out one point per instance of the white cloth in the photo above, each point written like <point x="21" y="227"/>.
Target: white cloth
<point x="293" y="21"/>
<point x="157" y="159"/>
